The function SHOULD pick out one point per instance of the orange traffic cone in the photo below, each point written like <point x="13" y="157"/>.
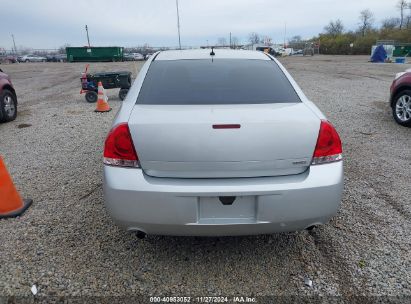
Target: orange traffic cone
<point x="102" y="104"/>
<point x="11" y="203"/>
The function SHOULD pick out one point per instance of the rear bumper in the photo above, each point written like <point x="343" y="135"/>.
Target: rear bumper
<point x="169" y="206"/>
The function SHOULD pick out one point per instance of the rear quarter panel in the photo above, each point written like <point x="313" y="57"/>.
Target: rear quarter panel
<point x="3" y="81"/>
<point x="402" y="83"/>
<point x="127" y="105"/>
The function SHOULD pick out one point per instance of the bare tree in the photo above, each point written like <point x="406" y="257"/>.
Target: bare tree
<point x="254" y="38"/>
<point x="390" y="23"/>
<point x="366" y="21"/>
<point x="234" y="41"/>
<point x="334" y="28"/>
<point x="222" y="41"/>
<point x="408" y="17"/>
<point x="24" y="50"/>
<point x="296" y="42"/>
<point x="295" y="39"/>
<point x="62" y="49"/>
<point x="402" y="5"/>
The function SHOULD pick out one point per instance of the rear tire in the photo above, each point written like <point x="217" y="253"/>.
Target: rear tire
<point x="401" y="108"/>
<point x="8" y="106"/>
<point x="91" y="96"/>
<point x="122" y="94"/>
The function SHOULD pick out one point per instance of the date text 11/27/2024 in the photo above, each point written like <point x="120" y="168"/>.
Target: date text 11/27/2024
<point x="234" y="299"/>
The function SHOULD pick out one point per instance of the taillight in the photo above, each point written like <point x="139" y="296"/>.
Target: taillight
<point x="328" y="148"/>
<point x="119" y="149"/>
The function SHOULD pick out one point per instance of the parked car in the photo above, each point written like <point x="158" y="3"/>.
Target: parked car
<point x="400" y="99"/>
<point x="229" y="146"/>
<point x="269" y="50"/>
<point x="57" y="58"/>
<point x="128" y="57"/>
<point x="137" y="56"/>
<point x="8" y="59"/>
<point x="33" y="58"/>
<point x="297" y="52"/>
<point x="146" y="56"/>
<point x="8" y="99"/>
<point x="133" y="57"/>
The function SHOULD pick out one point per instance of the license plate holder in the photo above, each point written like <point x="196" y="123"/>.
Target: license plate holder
<point x="211" y="210"/>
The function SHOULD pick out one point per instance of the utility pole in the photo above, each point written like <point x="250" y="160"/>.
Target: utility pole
<point x="178" y="25"/>
<point x="14" y="43"/>
<point x="230" y="40"/>
<point x="88" y="39"/>
<point x="285" y="34"/>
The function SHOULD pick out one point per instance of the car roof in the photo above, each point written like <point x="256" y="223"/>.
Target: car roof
<point x="205" y="54"/>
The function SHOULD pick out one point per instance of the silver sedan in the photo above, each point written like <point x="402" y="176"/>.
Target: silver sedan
<point x="220" y="142"/>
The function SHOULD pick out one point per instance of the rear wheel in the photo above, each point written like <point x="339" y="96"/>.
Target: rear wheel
<point x="91" y="96"/>
<point x="122" y="94"/>
<point x="401" y="108"/>
<point x="8" y="106"/>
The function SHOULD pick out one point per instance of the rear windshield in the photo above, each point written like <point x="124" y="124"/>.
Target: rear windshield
<point x="221" y="81"/>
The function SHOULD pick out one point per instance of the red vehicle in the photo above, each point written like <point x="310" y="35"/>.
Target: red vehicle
<point x="400" y="99"/>
<point x="8" y="59"/>
<point x="8" y="99"/>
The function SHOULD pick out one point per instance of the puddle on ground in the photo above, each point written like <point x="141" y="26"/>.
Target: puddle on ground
<point x="21" y="126"/>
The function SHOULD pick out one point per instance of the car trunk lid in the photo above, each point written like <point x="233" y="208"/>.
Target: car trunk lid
<point x="180" y="140"/>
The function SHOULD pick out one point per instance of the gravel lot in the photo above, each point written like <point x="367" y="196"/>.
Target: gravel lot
<point x="67" y="245"/>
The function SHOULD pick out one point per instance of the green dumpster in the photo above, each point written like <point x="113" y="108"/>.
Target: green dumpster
<point x="402" y="51"/>
<point x="89" y="54"/>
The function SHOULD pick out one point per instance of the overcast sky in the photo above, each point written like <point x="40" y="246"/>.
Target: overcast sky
<point x="52" y="23"/>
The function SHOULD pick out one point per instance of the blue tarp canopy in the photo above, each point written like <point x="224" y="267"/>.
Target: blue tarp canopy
<point x="379" y="54"/>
